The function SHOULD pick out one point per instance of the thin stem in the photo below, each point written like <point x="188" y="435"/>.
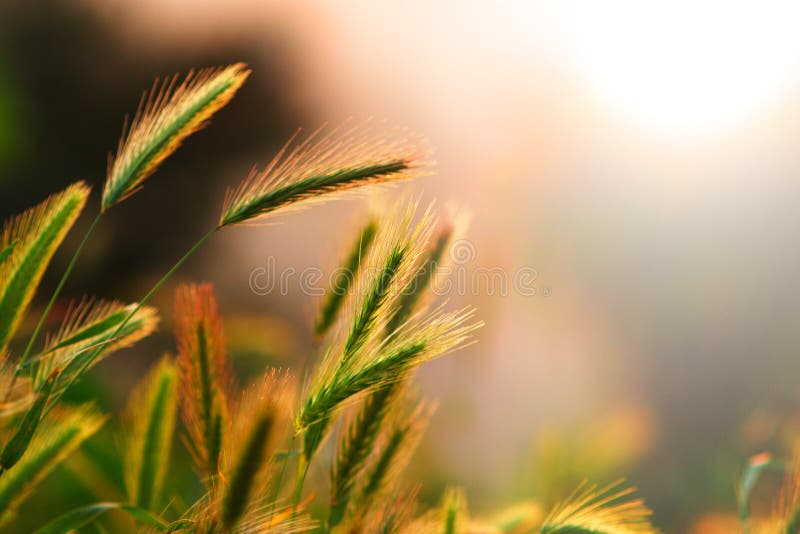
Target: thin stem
<point x="141" y="303"/>
<point x="281" y="475"/>
<point x="56" y="293"/>
<point x="302" y="472"/>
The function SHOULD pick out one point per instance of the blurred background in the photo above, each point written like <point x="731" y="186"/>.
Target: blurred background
<point x="640" y="157"/>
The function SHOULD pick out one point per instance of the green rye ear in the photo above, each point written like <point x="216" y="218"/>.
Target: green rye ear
<point x="35" y="236"/>
<point x="62" y="432"/>
<point x="151" y="414"/>
<point x="355" y="447"/>
<point x="398" y="445"/>
<point x="324" y="166"/>
<point x="599" y="511"/>
<point x="88" y="327"/>
<point x="329" y="309"/>
<point x="167" y="116"/>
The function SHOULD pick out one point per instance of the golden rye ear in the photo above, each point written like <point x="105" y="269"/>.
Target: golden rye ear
<point x="167" y="115"/>
<point x="606" y="510"/>
<point x="28" y="242"/>
<point x="204" y="379"/>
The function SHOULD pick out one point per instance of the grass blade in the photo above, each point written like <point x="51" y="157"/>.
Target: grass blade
<point x="61" y="433"/>
<point x="752" y="473"/>
<point x="151" y="413"/>
<point x="37" y="232"/>
<point x="80" y="517"/>
<point x="321" y="166"/>
<point x="166" y="117"/>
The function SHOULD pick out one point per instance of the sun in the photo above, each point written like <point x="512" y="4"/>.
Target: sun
<point x="688" y="66"/>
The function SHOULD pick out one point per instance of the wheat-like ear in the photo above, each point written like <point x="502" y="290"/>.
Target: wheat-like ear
<point x="61" y="433"/>
<point x="167" y="115"/>
<point x="322" y="165"/>
<point x="399" y="442"/>
<point x="386" y="271"/>
<point x="151" y="423"/>
<point x="345" y="275"/>
<point x="356" y="446"/>
<point x="431" y="337"/>
<point x="35" y="235"/>
<point x="204" y="374"/>
<point x="606" y="510"/>
<point x="90" y="326"/>
<point x="432" y="259"/>
<point x="246" y="459"/>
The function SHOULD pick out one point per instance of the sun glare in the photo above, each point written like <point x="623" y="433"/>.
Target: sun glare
<point x="688" y="66"/>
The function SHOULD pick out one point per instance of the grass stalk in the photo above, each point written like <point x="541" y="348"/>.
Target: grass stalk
<point x="141" y="303"/>
<point x="59" y="287"/>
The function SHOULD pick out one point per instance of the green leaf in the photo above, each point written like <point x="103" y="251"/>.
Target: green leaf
<point x="37" y="232"/>
<point x="62" y="432"/>
<point x="84" y="515"/>
<point x="151" y="413"/>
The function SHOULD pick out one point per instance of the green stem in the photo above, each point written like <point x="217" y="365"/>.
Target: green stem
<point x="56" y="293"/>
<point x="281" y="475"/>
<point x="141" y="303"/>
<point x="60" y="286"/>
<point x="302" y="472"/>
